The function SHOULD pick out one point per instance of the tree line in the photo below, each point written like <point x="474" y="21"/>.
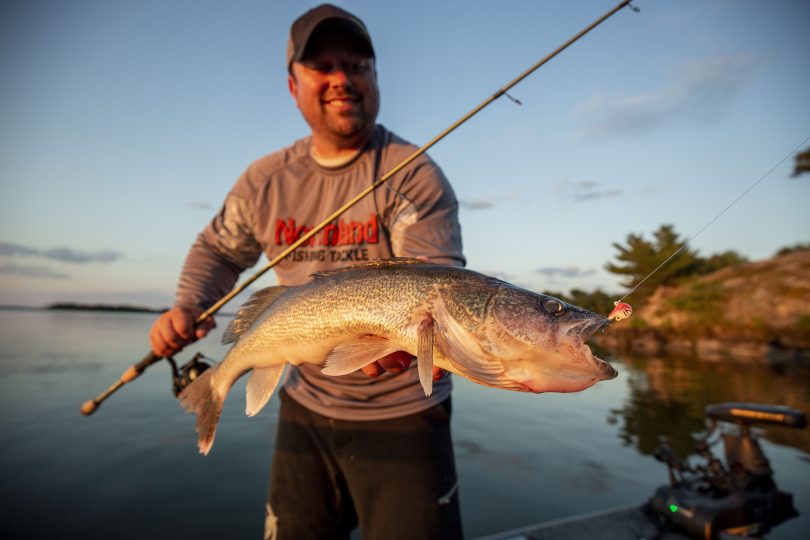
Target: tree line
<point x="664" y="260"/>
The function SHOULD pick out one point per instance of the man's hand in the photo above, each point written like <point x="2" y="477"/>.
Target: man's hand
<point x="397" y="363"/>
<point x="175" y="329"/>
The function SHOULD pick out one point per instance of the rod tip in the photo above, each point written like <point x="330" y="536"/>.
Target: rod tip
<point x="89" y="407"/>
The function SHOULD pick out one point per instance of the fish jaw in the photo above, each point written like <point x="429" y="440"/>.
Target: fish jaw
<point x="554" y="371"/>
<point x="580" y="323"/>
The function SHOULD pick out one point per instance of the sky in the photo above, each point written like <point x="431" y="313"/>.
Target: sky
<point x="124" y="124"/>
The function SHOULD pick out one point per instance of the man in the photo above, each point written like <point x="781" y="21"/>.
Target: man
<point x="352" y="450"/>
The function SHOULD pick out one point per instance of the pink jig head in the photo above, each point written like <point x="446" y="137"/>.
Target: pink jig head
<point x="620" y="312"/>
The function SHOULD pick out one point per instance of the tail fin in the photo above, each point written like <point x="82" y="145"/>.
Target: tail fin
<point x="202" y="398"/>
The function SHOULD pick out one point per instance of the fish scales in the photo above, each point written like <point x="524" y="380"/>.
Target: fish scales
<point x="465" y="322"/>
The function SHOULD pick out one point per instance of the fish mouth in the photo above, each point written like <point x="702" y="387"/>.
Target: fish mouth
<point x="594" y="324"/>
<point x="586" y="326"/>
<point x="606" y="371"/>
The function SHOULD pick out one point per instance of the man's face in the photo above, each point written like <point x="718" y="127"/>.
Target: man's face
<point x="335" y="87"/>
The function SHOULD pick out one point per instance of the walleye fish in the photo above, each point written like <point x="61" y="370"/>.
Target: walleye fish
<point x="479" y="327"/>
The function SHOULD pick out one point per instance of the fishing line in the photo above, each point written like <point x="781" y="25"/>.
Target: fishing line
<point x="715" y="218"/>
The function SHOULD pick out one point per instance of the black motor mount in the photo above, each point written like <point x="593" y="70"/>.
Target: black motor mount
<point x="735" y="499"/>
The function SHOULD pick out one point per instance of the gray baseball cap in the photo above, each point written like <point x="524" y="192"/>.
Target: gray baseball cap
<point x="304" y="27"/>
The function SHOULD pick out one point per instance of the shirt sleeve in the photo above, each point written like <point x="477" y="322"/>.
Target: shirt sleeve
<point x="222" y="251"/>
<point x="425" y="218"/>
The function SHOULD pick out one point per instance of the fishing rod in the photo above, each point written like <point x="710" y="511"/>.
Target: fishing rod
<point x="135" y="370"/>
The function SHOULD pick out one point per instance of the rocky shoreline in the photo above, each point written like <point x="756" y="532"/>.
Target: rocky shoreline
<point x="708" y="349"/>
<point x="757" y="312"/>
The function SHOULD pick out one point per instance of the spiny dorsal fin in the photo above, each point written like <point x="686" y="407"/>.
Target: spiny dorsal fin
<point x="250" y="311"/>
<point x="379" y="263"/>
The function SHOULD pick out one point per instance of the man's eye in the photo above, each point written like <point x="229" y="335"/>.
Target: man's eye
<point x="360" y="66"/>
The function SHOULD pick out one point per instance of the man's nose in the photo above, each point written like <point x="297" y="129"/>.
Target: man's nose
<point x="338" y="77"/>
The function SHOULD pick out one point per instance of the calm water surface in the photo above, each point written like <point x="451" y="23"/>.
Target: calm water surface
<point x="132" y="469"/>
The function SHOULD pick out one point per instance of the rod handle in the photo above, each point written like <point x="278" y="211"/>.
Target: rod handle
<point x="132" y="372"/>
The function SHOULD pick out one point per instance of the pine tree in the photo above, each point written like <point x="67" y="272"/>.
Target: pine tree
<point x="642" y="257"/>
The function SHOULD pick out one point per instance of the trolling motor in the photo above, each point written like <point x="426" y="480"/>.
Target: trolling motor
<point x="738" y="499"/>
<point x="188" y="372"/>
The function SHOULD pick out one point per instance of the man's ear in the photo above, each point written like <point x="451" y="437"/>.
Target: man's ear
<point x="292" y="85"/>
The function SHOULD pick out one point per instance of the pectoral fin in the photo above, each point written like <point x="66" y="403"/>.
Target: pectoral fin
<point x="353" y="355"/>
<point x="260" y="387"/>
<point x="424" y="354"/>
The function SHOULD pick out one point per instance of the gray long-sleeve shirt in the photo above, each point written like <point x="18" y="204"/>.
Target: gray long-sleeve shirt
<point x="285" y="194"/>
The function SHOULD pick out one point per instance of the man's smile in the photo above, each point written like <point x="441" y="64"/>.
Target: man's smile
<point x="342" y="103"/>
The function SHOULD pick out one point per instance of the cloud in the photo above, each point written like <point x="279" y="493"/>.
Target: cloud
<point x="584" y="190"/>
<point x="16" y="249"/>
<point x="701" y="91"/>
<point x="564" y="271"/>
<point x="62" y="254"/>
<point x="476" y="204"/>
<point x="517" y="194"/>
<point x="31" y="271"/>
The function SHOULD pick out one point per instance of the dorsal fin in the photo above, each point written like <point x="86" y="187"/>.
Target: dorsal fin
<point x="379" y="263"/>
<point x="250" y="311"/>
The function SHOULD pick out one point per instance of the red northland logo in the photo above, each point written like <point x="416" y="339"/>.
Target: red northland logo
<point x="344" y="233"/>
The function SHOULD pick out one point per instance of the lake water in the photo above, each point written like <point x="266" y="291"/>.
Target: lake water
<point x="132" y="469"/>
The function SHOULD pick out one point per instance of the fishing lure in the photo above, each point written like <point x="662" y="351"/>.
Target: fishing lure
<point x="622" y="311"/>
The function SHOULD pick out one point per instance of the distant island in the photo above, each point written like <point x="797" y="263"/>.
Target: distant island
<point x="74" y="306"/>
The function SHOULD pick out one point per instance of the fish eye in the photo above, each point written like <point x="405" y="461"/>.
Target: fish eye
<point x="554" y="307"/>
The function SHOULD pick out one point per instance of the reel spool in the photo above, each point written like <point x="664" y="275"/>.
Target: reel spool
<point x="188" y="372"/>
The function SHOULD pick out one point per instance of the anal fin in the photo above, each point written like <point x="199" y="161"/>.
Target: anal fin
<point x="260" y="387"/>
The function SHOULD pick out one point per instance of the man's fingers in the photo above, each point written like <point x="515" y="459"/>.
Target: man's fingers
<point x="182" y="322"/>
<point x="204" y="327"/>
<point x="373" y="369"/>
<point x="170" y="340"/>
<point x="157" y="344"/>
<point x="172" y="331"/>
<point x="396" y="362"/>
<point x="438" y="373"/>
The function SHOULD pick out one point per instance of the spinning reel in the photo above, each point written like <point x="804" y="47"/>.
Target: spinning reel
<point x="188" y="372"/>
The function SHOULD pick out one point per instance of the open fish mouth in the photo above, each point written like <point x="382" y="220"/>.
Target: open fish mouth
<point x="592" y="326"/>
<point x="584" y="332"/>
<point x="585" y="327"/>
<point x="606" y="371"/>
